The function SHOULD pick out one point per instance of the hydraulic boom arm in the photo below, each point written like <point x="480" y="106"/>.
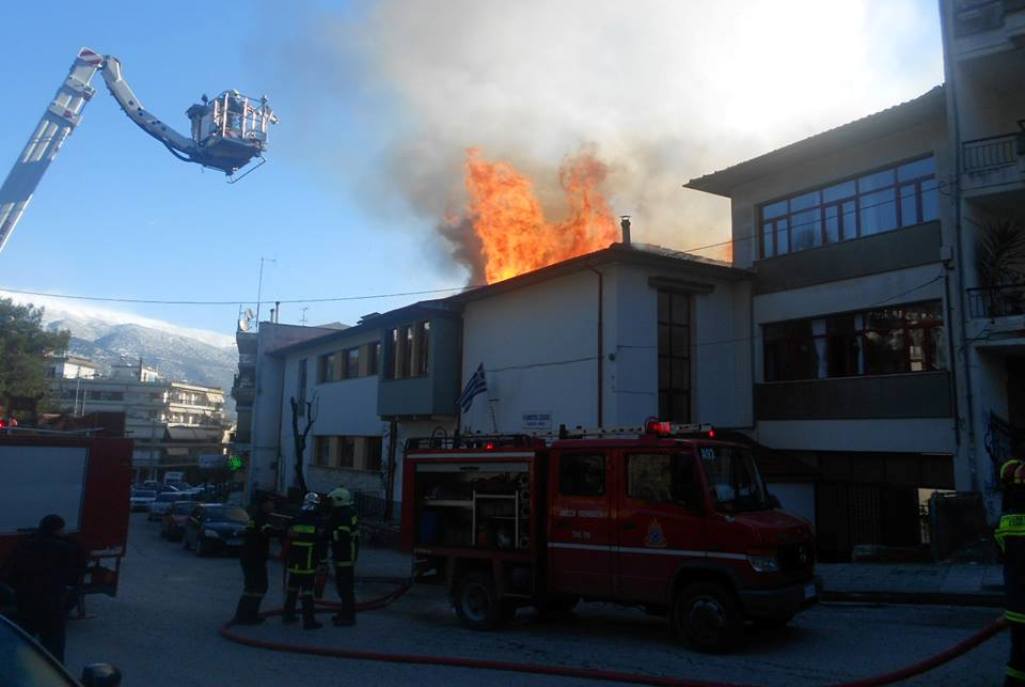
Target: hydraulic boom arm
<point x="227" y="133"/>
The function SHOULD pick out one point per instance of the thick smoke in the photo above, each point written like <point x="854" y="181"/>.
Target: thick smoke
<point x="661" y="91"/>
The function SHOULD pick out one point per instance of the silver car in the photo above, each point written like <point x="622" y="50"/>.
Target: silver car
<point x="163" y="503"/>
<point x="142" y="498"/>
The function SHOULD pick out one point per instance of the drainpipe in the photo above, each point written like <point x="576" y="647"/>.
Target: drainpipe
<point x="601" y="336"/>
<point x="955" y="126"/>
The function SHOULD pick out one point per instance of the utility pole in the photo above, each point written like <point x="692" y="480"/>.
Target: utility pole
<point x="302" y="320"/>
<point x="259" y="288"/>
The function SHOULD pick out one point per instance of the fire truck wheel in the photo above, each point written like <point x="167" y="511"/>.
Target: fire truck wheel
<point x="476" y="601"/>
<point x="707" y="616"/>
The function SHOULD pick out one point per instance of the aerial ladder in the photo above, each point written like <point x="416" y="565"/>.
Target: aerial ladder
<point x="227" y="133"/>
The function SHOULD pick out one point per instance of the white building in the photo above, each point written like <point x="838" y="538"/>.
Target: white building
<point x="70" y="367"/>
<point x="171" y="422"/>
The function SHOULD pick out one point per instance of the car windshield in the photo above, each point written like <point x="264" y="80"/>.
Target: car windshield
<point x="144" y="493"/>
<point x="227" y="514"/>
<point x="733" y="478"/>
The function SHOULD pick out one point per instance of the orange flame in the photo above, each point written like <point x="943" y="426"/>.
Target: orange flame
<point x="514" y="234"/>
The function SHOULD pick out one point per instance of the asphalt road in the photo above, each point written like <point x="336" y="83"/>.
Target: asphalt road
<point x="162" y="632"/>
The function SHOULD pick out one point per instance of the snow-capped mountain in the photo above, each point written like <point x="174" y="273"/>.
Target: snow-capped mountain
<point x="176" y="357"/>
<point x="108" y="337"/>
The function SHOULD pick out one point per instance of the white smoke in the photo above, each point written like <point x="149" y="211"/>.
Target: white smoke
<point x="663" y="91"/>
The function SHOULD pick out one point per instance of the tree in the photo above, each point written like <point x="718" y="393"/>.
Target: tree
<point x="24" y="346"/>
<point x="307" y="409"/>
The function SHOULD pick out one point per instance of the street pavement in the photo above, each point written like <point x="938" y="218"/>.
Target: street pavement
<point x="161" y="631"/>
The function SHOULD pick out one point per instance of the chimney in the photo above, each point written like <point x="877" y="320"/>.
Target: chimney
<point x="624" y="223"/>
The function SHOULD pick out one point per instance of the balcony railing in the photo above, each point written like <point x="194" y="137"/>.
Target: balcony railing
<point x="1006" y="300"/>
<point x="993" y="152"/>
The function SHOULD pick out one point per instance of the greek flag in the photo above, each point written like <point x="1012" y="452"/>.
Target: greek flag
<point x="475" y="386"/>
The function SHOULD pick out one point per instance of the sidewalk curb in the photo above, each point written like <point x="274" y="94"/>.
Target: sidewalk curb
<point x="921" y="598"/>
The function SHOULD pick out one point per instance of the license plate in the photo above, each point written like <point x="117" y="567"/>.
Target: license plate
<point x="809" y="591"/>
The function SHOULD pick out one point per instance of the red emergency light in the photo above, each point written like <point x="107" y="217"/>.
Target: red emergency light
<point x="659" y="427"/>
<point x="489" y="446"/>
<point x="664" y="428"/>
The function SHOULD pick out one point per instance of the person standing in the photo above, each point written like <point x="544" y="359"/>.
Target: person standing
<point x="343" y="528"/>
<point x="306" y="551"/>
<point x="1010" y="537"/>
<point x="45" y="571"/>
<point x="253" y="557"/>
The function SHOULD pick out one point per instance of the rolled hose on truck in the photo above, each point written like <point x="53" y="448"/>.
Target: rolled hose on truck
<point x="403" y="585"/>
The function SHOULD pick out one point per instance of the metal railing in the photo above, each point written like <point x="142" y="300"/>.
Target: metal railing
<point x="1006" y="300"/>
<point x="993" y="152"/>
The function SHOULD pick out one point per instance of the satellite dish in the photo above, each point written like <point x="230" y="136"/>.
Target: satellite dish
<point x="245" y="320"/>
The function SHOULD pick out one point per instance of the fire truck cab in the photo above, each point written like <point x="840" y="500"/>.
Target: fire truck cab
<point x="665" y="517"/>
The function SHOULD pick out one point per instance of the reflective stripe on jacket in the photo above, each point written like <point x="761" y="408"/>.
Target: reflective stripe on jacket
<point x="344" y="537"/>
<point x="304" y="544"/>
<point x="1010" y="526"/>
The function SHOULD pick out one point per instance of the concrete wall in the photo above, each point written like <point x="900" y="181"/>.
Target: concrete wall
<point x="539" y="349"/>
<point x="347" y="407"/>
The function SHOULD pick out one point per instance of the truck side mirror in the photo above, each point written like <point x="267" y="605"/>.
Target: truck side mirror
<point x="100" y="675"/>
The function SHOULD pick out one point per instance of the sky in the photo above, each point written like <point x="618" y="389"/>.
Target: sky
<point x="378" y="102"/>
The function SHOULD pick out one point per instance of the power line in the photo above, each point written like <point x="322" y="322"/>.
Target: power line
<point x="241" y="301"/>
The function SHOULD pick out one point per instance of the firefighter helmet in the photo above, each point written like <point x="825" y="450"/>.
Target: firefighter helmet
<point x="340" y="497"/>
<point x="311" y="501"/>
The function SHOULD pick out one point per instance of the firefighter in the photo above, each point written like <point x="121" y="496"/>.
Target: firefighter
<point x="45" y="571"/>
<point x="1010" y="537"/>
<point x="343" y="529"/>
<point x="306" y="552"/>
<point x="253" y="557"/>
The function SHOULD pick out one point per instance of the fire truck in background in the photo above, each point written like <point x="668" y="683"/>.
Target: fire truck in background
<point x="86" y="481"/>
<point x="663" y="516"/>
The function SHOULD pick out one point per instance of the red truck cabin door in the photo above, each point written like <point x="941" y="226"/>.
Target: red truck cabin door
<point x="579" y="537"/>
<point x="658" y="528"/>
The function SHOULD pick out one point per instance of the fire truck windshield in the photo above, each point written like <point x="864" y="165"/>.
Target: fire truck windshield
<point x="734" y="479"/>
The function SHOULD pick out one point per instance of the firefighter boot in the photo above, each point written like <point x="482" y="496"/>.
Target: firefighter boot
<point x="253" y="616"/>
<point x="240" y="611"/>
<point x="288" y="616"/>
<point x="309" y="619"/>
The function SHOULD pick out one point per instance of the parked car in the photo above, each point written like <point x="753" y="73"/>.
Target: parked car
<point x="213" y="527"/>
<point x="142" y="498"/>
<point x="173" y="524"/>
<point x="163" y="502"/>
<point x="27" y="664"/>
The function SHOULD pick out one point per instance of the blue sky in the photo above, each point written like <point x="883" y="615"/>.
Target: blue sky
<point x="365" y="97"/>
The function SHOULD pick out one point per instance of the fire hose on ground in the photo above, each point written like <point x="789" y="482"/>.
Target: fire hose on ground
<point x="403" y="585"/>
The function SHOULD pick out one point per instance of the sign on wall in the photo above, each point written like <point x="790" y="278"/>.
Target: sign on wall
<point x="537" y="421"/>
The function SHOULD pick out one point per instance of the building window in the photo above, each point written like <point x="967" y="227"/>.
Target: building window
<point x="350" y="363"/>
<point x="898" y="196"/>
<point x="373" y="357"/>
<point x="582" y="474"/>
<point x="891" y="340"/>
<point x="674" y="356"/>
<point x="322" y="451"/>
<point x="300" y="392"/>
<point x="327" y="368"/>
<point x="410" y="353"/>
<point x="372" y="453"/>
<point x="422" y="346"/>
<point x="346" y="452"/>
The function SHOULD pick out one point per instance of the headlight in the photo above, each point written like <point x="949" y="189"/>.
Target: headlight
<point x="763" y="564"/>
<point x="212" y="534"/>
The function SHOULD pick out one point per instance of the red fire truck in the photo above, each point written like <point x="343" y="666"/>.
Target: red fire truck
<point x="665" y="517"/>
<point x="84" y="480"/>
